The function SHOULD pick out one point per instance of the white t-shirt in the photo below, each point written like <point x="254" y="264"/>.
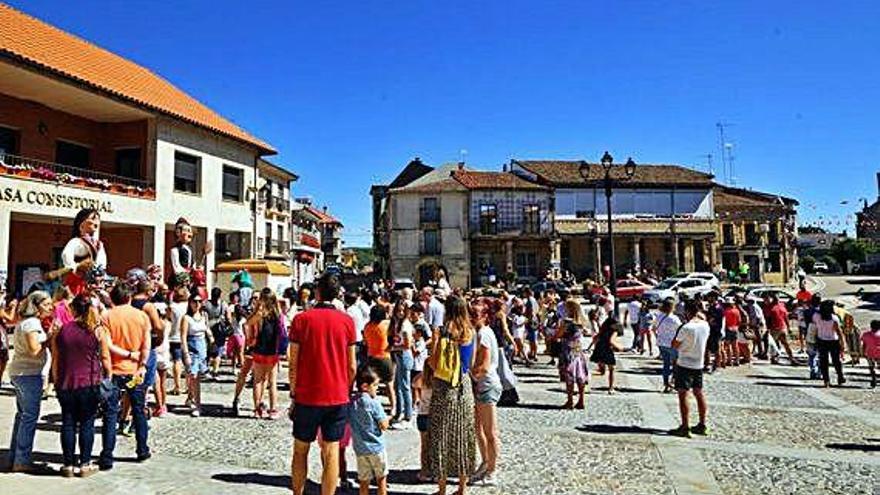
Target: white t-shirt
<point x="486" y="338"/>
<point x="692" y="344"/>
<point x="420" y="355"/>
<point x="825" y="328"/>
<point x="665" y="328"/>
<point x="519" y="326"/>
<point x="196" y="328"/>
<point x="23" y="364"/>
<point x="178" y="311"/>
<point x="633" y="310"/>
<point x="436" y="313"/>
<point x="358" y="317"/>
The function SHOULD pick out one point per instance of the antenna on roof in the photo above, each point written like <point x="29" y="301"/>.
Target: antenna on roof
<point x="462" y="155"/>
<point x="726" y="152"/>
<point x="709" y="163"/>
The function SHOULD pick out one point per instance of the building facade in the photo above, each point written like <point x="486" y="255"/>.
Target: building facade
<point x="305" y="243"/>
<point x="427" y="229"/>
<point x="121" y="140"/>
<point x="868" y="219"/>
<point x="662" y="217"/>
<point x="273" y="225"/>
<point x="758" y="229"/>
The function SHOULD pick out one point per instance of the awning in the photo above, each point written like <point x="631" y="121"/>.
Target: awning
<point x="255" y="266"/>
<point x="305" y="249"/>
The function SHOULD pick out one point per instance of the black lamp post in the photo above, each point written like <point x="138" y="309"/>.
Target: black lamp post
<point x="629" y="169"/>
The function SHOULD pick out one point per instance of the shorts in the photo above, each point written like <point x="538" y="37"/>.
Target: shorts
<point x="234" y="343"/>
<point x="162" y="359"/>
<point x="266" y="360"/>
<point x="198" y="356"/>
<point x="730" y="336"/>
<point x="491" y="395"/>
<point x="802" y="331"/>
<point x="414" y="375"/>
<point x="372" y="466"/>
<point x="330" y="419"/>
<point x="519" y="333"/>
<point x="422" y="422"/>
<point x="532" y="334"/>
<point x="779" y="335"/>
<point x="176" y="352"/>
<point x="383" y="367"/>
<point x="687" y="379"/>
<point x="344" y="442"/>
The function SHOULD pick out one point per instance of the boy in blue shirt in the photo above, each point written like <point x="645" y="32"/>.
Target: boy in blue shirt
<point x="368" y="421"/>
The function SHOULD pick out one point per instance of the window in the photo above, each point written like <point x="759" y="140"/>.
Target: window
<point x="526" y="264"/>
<point x="8" y="141"/>
<point x="232" y="183"/>
<point x="774" y="263"/>
<point x="773" y="234"/>
<point x="432" y="242"/>
<point x="281" y="239"/>
<point x="531" y="219"/>
<point x="72" y="155"/>
<point x="128" y="163"/>
<point x="187" y="173"/>
<point x="430" y="210"/>
<point x="727" y="234"/>
<point x="488" y="219"/>
<point x="231" y="245"/>
<point x="752" y="235"/>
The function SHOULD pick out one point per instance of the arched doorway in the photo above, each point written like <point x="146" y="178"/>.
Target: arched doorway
<point x="427" y="272"/>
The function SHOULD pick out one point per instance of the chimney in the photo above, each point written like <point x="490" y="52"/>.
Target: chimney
<point x="461" y="165"/>
<point x="325" y="209"/>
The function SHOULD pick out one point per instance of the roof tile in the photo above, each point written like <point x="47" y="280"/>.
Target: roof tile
<point x="494" y="180"/>
<point x="567" y="172"/>
<point x="39" y="44"/>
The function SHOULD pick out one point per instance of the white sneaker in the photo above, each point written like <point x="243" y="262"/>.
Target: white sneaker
<point x="196" y="413"/>
<point x="489" y="479"/>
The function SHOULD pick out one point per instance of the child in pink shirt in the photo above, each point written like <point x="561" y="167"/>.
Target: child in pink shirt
<point x="871" y="349"/>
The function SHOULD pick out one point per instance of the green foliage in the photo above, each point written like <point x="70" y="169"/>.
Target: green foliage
<point x="807" y="263"/>
<point x="833" y="265"/>
<point x="848" y="250"/>
<point x="365" y="256"/>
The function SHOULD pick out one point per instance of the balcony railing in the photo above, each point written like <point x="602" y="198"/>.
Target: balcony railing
<point x="278" y="203"/>
<point x="273" y="246"/>
<point x="429" y="215"/>
<point x="65" y="174"/>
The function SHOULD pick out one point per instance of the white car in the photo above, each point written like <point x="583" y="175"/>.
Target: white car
<point x="403" y="283"/>
<point x="676" y="287"/>
<point x="820" y="267"/>
<point x="709" y="277"/>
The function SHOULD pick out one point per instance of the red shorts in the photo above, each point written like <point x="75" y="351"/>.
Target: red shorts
<point x="266" y="360"/>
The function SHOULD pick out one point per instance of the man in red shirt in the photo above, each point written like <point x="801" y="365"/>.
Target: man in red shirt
<point x="323" y="363"/>
<point x="778" y="325"/>
<point x="803" y="295"/>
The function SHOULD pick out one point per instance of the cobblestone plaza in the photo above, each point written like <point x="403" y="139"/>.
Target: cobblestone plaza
<point x="771" y="432"/>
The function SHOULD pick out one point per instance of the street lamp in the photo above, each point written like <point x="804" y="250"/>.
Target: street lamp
<point x="629" y="170"/>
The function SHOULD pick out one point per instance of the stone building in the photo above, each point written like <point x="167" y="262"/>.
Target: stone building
<point x="868" y="220"/>
<point x="662" y="217"/>
<point x="759" y="229"/>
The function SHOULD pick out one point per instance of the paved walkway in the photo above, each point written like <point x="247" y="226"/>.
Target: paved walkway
<point x="771" y="432"/>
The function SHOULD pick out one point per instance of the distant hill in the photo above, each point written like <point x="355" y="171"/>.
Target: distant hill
<point x="365" y="256"/>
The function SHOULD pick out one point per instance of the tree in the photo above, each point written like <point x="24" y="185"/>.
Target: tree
<point x="848" y="250"/>
<point x="807" y="263"/>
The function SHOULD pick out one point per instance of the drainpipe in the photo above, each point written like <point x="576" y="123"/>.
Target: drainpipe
<point x="254" y="210"/>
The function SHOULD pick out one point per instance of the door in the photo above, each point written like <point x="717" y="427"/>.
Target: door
<point x="754" y="268"/>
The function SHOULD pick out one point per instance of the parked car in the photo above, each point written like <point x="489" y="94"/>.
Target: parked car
<point x="786" y="297"/>
<point x="820" y="267"/>
<point x="626" y="289"/>
<point x="710" y="277"/>
<point x="541" y="287"/>
<point x="675" y="287"/>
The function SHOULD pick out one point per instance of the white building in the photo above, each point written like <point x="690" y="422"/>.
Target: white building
<point x="80" y="126"/>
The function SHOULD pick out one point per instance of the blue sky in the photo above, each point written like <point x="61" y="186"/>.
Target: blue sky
<point x="349" y="92"/>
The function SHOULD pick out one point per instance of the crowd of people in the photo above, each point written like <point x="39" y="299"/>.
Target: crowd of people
<point x="443" y="358"/>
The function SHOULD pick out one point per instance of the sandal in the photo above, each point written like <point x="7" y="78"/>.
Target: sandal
<point x="273" y="414"/>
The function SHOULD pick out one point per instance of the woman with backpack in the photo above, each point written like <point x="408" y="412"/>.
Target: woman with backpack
<point x="452" y="447"/>
<point x="264" y="329"/>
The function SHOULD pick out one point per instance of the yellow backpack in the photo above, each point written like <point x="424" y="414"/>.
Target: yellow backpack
<point x="448" y="362"/>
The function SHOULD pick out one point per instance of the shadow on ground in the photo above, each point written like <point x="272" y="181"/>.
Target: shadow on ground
<point x="312" y="488"/>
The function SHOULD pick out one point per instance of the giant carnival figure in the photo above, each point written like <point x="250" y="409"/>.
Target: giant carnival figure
<point x="84" y="257"/>
<point x="185" y="271"/>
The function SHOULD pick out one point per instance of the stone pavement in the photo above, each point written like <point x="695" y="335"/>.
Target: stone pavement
<point x="771" y="432"/>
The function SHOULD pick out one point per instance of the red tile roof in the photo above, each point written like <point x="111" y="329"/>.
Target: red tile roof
<point x="567" y="173"/>
<point x="323" y="217"/>
<point x="35" y="43"/>
<point x="440" y="186"/>
<point x="494" y="180"/>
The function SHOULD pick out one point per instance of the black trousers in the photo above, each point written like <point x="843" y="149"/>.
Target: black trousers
<point x="832" y="348"/>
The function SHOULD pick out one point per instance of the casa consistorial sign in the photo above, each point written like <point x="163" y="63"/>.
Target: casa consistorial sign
<point x="52" y="199"/>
